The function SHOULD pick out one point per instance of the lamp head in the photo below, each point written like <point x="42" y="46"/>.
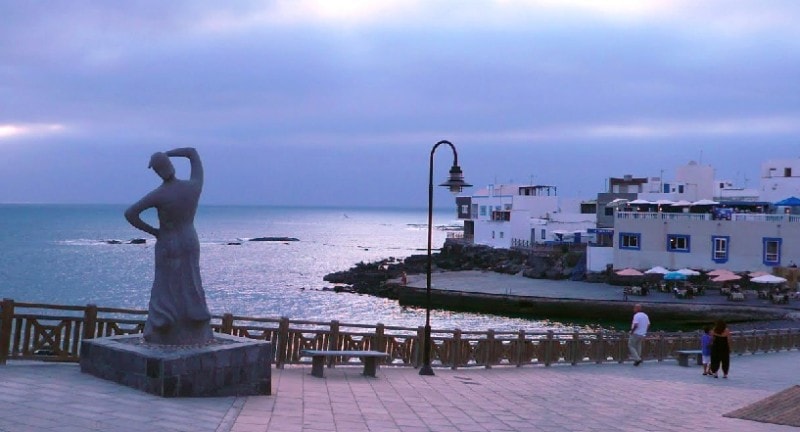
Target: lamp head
<point x="456" y="181"/>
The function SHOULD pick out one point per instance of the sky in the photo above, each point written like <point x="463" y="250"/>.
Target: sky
<point x="339" y="103"/>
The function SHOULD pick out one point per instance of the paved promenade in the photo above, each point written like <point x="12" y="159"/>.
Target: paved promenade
<point x="587" y="397"/>
<point x="656" y="396"/>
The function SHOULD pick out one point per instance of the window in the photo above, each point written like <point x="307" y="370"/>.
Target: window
<point x="719" y="248"/>
<point x="507" y="207"/>
<point x="492" y="234"/>
<point x="680" y="189"/>
<point x="501" y="216"/>
<point x="464" y="209"/>
<point x="678" y="243"/>
<point x="787" y="172"/>
<point x="502" y="234"/>
<point x="474" y="211"/>
<point x="609" y="211"/>
<point x="483" y="210"/>
<point x="544" y="234"/>
<point x="772" y="251"/>
<point x="630" y="241"/>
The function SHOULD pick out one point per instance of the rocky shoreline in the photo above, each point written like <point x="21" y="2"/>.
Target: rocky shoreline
<point x="381" y="278"/>
<point x="371" y="278"/>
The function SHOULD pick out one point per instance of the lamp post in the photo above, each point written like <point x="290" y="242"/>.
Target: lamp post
<point x="455" y="183"/>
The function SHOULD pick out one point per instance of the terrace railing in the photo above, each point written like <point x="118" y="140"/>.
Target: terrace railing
<point x="54" y="332"/>
<point x="738" y="217"/>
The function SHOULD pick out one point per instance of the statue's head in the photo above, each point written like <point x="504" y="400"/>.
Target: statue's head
<point x="161" y="164"/>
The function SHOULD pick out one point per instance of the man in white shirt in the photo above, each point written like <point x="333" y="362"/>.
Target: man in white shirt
<point x="639" y="326"/>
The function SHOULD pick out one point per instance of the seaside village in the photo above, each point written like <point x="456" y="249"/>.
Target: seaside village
<point x="690" y="223"/>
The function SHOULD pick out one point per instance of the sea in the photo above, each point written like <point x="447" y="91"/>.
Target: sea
<point x="80" y="254"/>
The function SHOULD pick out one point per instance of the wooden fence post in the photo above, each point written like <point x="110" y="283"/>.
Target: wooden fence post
<point x="281" y="354"/>
<point x="548" y="348"/>
<point x="600" y="350"/>
<point x="490" y="356"/>
<point x="90" y="321"/>
<point x="455" y="354"/>
<point x="622" y="346"/>
<point x="795" y="341"/>
<point x="380" y="341"/>
<point x="380" y="338"/>
<point x="769" y="340"/>
<point x="227" y="324"/>
<point x="6" y="318"/>
<point x="520" y="347"/>
<point x="333" y="341"/>
<point x="576" y="348"/>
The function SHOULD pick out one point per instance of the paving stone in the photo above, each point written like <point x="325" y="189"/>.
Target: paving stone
<point x="586" y="397"/>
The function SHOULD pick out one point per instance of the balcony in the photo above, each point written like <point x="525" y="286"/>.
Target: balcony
<point x="736" y="217"/>
<point x="501" y="215"/>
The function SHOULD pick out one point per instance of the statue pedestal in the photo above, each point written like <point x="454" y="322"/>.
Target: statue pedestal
<point x="227" y="366"/>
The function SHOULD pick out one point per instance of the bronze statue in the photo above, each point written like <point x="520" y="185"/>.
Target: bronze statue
<point x="178" y="314"/>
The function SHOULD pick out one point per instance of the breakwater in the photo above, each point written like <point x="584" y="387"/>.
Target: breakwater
<point x="667" y="315"/>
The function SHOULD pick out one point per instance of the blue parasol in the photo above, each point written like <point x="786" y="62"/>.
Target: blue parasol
<point x="675" y="276"/>
<point x="789" y="202"/>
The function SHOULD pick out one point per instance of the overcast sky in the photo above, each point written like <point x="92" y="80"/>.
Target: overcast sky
<point x="340" y="102"/>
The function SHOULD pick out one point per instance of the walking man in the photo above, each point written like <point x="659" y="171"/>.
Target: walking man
<point x="639" y="326"/>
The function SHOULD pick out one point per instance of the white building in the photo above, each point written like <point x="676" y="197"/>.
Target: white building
<point x="743" y="232"/>
<point x="780" y="179"/>
<point x="503" y="216"/>
<point x="746" y="242"/>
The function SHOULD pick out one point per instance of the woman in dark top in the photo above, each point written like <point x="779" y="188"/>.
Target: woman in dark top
<point x="720" y="349"/>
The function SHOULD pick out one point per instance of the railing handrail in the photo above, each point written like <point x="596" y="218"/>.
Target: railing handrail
<point x="736" y="217"/>
<point x="29" y="335"/>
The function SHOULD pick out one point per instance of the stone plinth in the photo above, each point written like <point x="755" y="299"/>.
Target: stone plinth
<point x="227" y="366"/>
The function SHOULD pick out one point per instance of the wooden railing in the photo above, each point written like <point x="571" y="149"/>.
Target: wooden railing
<point x="53" y="333"/>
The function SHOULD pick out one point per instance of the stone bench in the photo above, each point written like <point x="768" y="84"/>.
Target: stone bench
<point x="683" y="356"/>
<point x="369" y="358"/>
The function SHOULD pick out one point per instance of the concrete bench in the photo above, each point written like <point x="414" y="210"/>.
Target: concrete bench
<point x="369" y="358"/>
<point x="683" y="356"/>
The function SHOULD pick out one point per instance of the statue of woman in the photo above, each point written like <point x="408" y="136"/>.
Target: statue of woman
<point x="178" y="314"/>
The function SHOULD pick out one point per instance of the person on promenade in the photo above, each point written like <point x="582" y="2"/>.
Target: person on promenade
<point x="639" y="326"/>
<point x="178" y="313"/>
<point x="705" y="347"/>
<point x="720" y="349"/>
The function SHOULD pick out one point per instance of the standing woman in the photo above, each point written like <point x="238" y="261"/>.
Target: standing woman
<point x="720" y="349"/>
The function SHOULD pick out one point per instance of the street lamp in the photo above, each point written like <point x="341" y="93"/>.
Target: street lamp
<point x="455" y="183"/>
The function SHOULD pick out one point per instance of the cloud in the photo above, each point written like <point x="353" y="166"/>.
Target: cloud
<point x="16" y="131"/>
<point x="308" y="80"/>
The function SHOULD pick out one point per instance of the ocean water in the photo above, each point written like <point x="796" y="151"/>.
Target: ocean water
<point x="59" y="254"/>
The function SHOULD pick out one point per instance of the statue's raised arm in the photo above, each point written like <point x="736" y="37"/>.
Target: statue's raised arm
<point x="194" y="162"/>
